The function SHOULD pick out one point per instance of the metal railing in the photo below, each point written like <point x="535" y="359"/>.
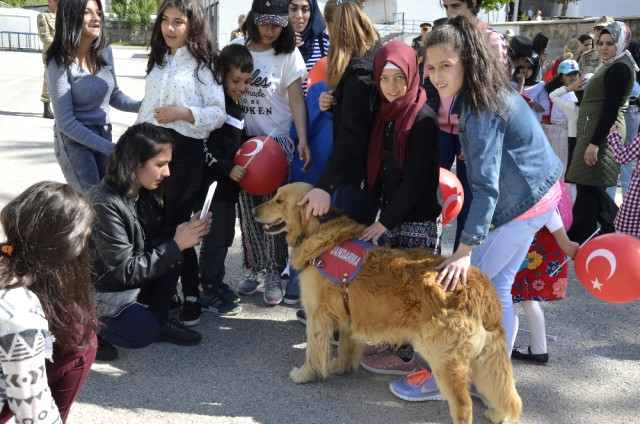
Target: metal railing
<point x="20" y="41"/>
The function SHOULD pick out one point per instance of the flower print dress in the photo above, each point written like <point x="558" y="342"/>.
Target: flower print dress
<point x="540" y="276"/>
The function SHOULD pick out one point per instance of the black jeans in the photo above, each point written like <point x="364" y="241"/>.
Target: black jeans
<point x="593" y="206"/>
<point x="214" y="247"/>
<point x="136" y="326"/>
<point x="181" y="192"/>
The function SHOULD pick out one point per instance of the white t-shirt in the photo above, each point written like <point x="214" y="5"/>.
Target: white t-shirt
<point x="266" y="104"/>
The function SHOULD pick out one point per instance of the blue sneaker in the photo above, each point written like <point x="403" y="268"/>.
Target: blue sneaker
<point x="419" y="386"/>
<point x="218" y="304"/>
<point x="229" y="293"/>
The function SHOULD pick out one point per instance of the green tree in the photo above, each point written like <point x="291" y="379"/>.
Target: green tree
<point x="140" y="11"/>
<point x="565" y="5"/>
<point x="121" y="8"/>
<point x="493" y="5"/>
<point x="135" y="11"/>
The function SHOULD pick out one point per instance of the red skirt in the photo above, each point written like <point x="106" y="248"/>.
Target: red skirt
<point x="540" y="277"/>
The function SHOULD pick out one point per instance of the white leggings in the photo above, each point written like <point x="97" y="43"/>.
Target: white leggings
<point x="535" y="320"/>
<point x="500" y="257"/>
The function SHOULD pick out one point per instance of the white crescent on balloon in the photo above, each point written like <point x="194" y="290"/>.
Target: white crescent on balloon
<point x="259" y="146"/>
<point x="608" y="255"/>
<point x="453" y="198"/>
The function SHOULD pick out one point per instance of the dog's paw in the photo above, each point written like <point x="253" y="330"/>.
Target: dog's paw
<point x="300" y="375"/>
<point x="338" y="366"/>
<point x="494" y="416"/>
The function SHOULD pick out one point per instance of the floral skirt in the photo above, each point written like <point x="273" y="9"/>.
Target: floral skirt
<point x="540" y="277"/>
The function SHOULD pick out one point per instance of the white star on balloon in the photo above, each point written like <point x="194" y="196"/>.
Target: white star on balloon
<point x="597" y="284"/>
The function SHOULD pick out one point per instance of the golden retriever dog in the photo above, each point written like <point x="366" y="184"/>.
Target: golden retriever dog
<point x="395" y="300"/>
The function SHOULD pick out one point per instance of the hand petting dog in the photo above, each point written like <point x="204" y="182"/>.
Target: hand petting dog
<point x="373" y="232"/>
<point x="455" y="268"/>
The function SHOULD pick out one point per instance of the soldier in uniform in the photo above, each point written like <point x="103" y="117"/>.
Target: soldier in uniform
<point x="237" y="33"/>
<point x="46" y="30"/>
<point x="419" y="44"/>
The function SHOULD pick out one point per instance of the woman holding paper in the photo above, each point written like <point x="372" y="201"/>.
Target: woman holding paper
<point x="135" y="257"/>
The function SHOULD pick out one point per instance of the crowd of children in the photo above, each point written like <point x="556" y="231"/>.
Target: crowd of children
<point x="377" y="139"/>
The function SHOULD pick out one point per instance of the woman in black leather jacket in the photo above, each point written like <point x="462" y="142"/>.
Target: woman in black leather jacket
<point x="131" y="249"/>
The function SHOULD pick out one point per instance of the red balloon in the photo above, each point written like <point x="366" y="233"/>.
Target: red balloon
<point x="317" y="72"/>
<point x="266" y="165"/>
<point x="452" y="195"/>
<point x="609" y="267"/>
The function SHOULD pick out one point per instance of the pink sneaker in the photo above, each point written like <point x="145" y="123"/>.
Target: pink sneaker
<point x="373" y="349"/>
<point x="388" y="362"/>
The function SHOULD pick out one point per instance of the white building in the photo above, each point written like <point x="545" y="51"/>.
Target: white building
<point x="19" y="29"/>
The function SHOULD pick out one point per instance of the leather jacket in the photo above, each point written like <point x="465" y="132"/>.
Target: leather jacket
<point x="117" y="243"/>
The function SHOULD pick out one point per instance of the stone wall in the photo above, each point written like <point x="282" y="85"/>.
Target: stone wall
<point x="126" y="32"/>
<point x="562" y="29"/>
<point x="559" y="31"/>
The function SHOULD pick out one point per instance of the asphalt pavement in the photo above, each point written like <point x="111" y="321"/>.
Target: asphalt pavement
<point x="239" y="373"/>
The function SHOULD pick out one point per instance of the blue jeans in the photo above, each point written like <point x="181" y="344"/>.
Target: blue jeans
<point x="138" y="326"/>
<point x="449" y="150"/>
<point x="81" y="166"/>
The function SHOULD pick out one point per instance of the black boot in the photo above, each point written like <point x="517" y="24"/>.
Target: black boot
<point x="47" y="111"/>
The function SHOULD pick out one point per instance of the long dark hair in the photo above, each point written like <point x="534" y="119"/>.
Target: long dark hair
<point x="138" y="144"/>
<point x="46" y="227"/>
<point x="200" y="42"/>
<point x="286" y="43"/>
<point x="540" y="43"/>
<point x="69" y="18"/>
<point x="485" y="79"/>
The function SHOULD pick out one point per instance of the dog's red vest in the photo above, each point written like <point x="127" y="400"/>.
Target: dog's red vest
<point x="342" y="263"/>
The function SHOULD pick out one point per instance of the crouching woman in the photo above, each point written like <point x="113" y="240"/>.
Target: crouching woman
<point x="132" y="250"/>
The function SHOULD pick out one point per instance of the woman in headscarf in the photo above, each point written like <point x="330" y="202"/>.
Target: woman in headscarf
<point x="309" y="27"/>
<point x="605" y="101"/>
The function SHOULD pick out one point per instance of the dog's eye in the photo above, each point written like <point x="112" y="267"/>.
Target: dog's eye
<point x="278" y="201"/>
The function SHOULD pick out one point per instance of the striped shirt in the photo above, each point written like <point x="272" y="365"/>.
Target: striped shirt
<point x="315" y="56"/>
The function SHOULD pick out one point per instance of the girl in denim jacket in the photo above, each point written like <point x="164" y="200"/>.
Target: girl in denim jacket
<point x="512" y="170"/>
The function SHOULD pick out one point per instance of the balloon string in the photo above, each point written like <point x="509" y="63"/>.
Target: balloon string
<point x="567" y="260"/>
<point x="251" y="158"/>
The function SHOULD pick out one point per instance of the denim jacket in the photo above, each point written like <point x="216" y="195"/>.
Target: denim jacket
<point x="510" y="164"/>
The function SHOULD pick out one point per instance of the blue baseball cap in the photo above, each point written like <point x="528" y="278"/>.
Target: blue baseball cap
<point x="568" y="66"/>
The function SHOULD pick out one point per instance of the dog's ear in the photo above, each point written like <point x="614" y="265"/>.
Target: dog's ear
<point x="308" y="226"/>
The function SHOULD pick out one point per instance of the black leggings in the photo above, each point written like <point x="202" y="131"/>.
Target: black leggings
<point x="180" y="196"/>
